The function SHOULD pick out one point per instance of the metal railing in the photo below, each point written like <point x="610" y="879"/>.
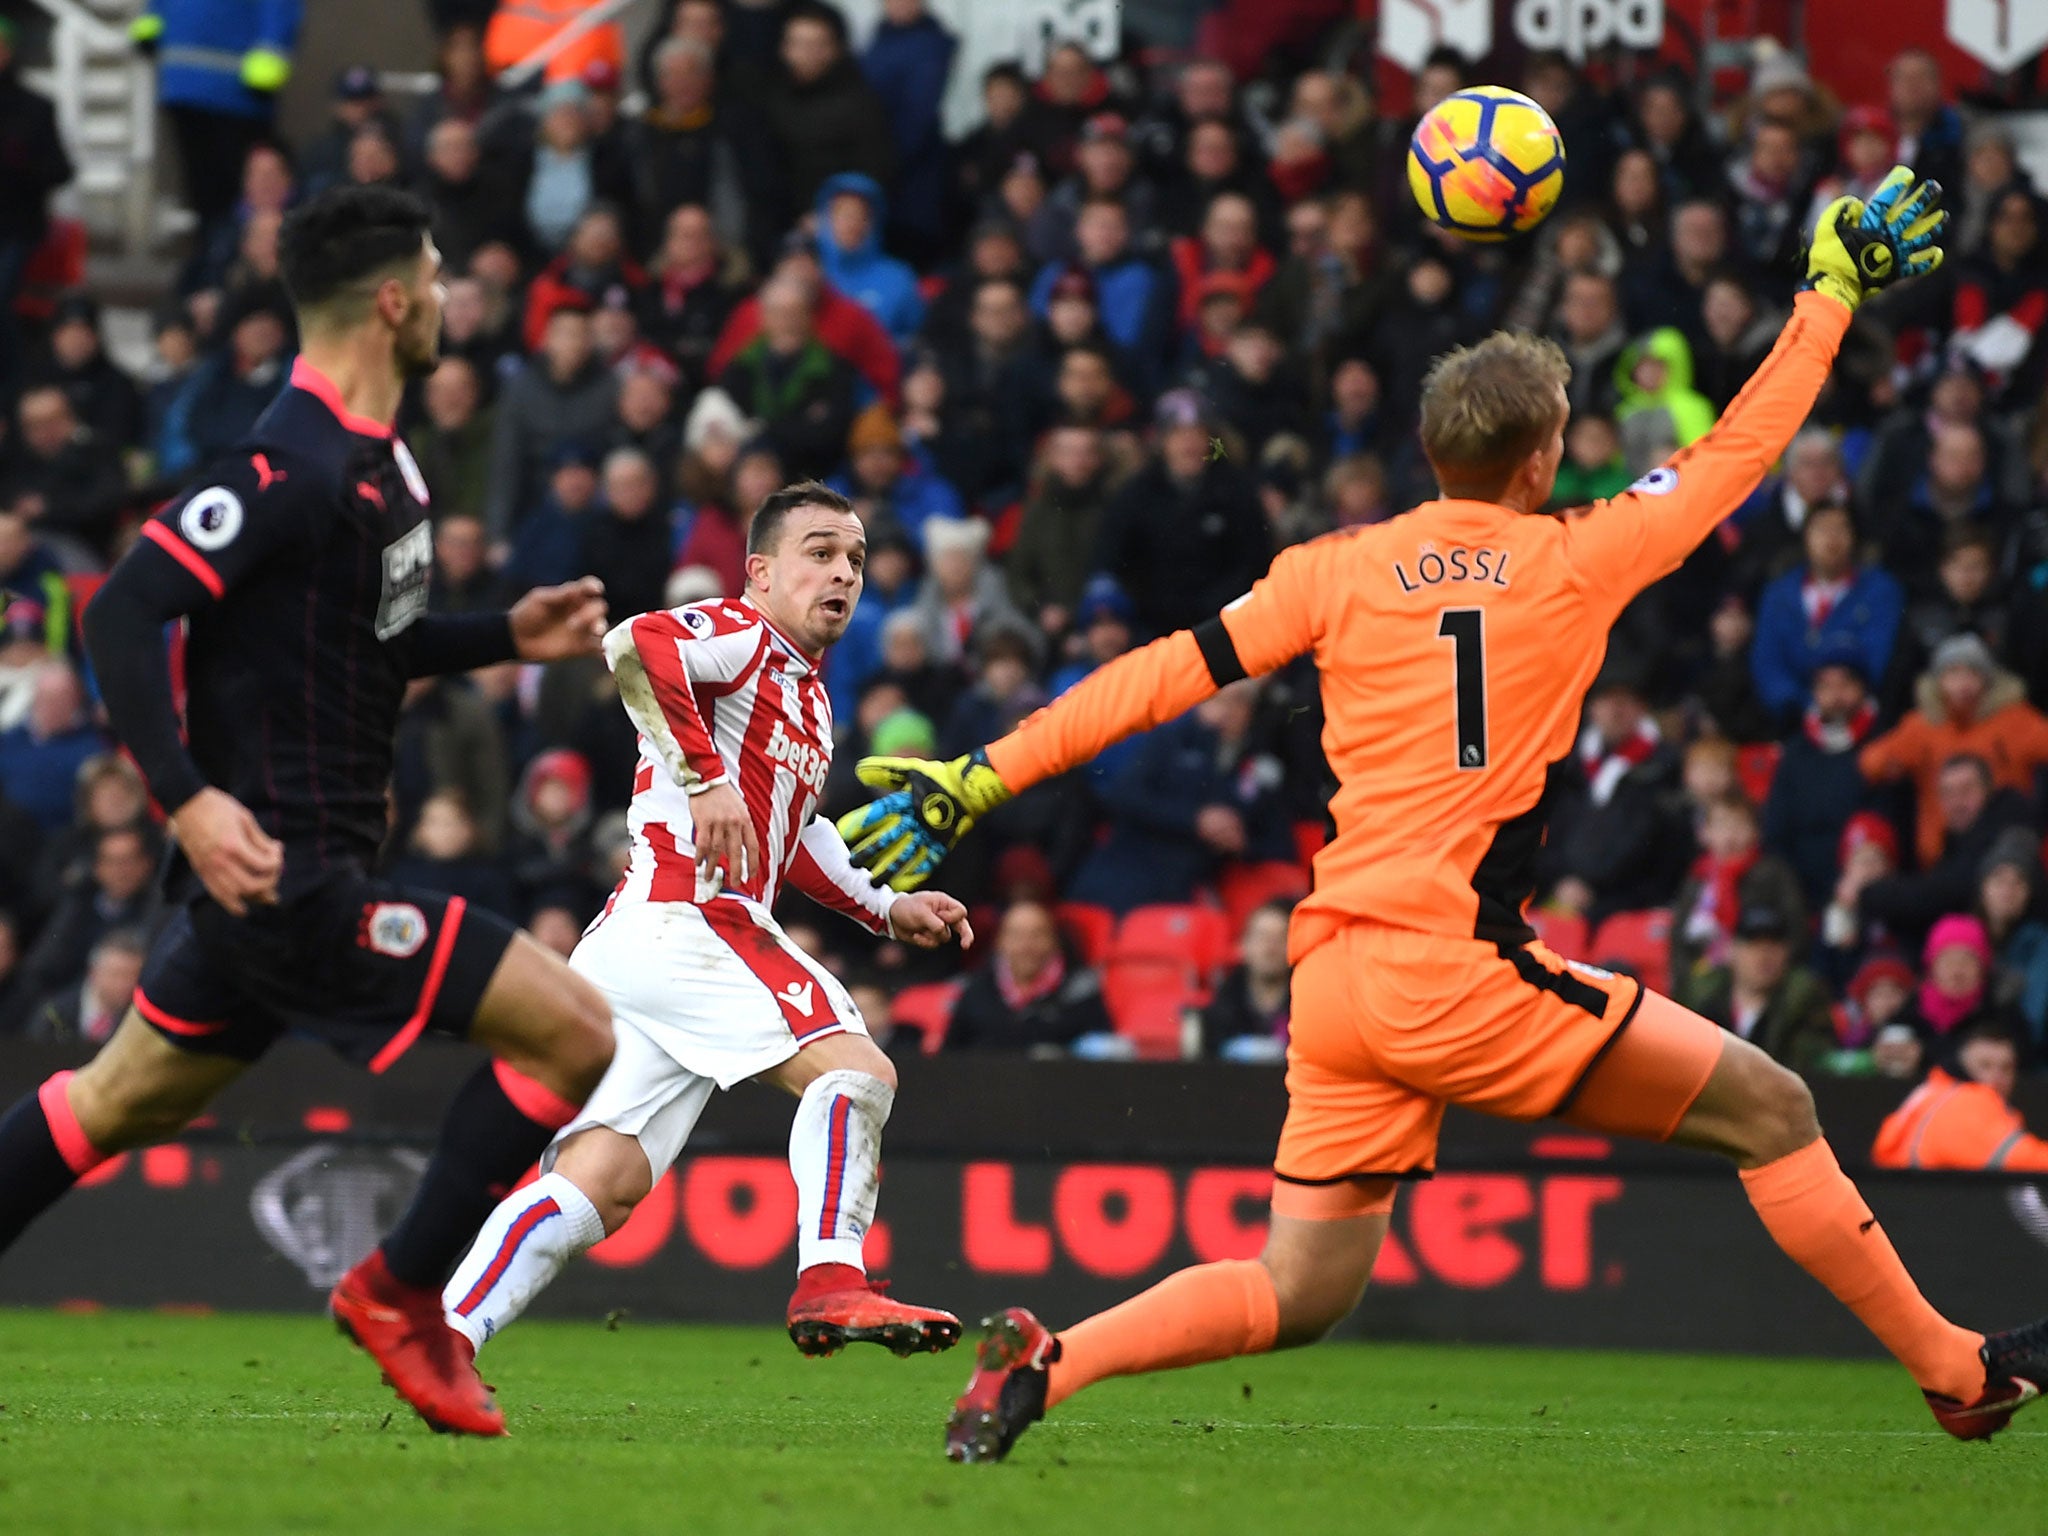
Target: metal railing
<point x="85" y="45"/>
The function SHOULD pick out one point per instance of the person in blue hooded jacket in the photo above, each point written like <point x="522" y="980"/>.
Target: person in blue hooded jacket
<point x="850" y="213"/>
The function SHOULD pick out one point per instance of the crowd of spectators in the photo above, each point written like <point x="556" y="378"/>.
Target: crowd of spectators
<point x="1084" y="370"/>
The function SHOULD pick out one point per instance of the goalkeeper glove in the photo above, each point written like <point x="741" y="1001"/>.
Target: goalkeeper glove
<point x="929" y="807"/>
<point x="266" y="70"/>
<point x="146" y="31"/>
<point x="1857" y="248"/>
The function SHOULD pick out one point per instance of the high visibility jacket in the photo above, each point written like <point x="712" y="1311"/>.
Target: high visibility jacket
<point x="199" y="52"/>
<point x="519" y="27"/>
<point x="1948" y="1123"/>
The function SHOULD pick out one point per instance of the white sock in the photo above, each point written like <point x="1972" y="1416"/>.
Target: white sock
<point x="532" y="1234"/>
<point x="835" y="1153"/>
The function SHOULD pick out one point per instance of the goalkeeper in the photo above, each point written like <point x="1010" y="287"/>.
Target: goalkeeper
<point x="1455" y="645"/>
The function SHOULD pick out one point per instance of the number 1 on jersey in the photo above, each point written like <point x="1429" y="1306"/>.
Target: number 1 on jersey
<point x="1465" y="628"/>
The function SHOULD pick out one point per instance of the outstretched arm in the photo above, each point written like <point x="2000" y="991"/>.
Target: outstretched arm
<point x="930" y="806"/>
<point x="1621" y="546"/>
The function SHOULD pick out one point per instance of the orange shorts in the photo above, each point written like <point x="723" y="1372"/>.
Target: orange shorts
<point x="1389" y="1025"/>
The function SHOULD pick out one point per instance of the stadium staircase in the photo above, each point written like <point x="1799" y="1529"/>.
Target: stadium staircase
<point x="105" y="95"/>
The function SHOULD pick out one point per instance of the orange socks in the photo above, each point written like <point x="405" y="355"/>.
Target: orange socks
<point x="1809" y="1206"/>
<point x="1210" y="1312"/>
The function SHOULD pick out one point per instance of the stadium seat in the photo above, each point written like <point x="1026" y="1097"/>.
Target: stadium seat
<point x="1244" y="888"/>
<point x="1309" y="838"/>
<point x="1640" y="942"/>
<point x="1755" y="766"/>
<point x="56" y="267"/>
<point x="1147" y="999"/>
<point x="1087" y="927"/>
<point x="1565" y="932"/>
<point x="1181" y="935"/>
<point x="928" y="1009"/>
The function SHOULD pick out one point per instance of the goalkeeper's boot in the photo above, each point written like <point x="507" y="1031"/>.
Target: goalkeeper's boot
<point x="836" y="1305"/>
<point x="425" y="1361"/>
<point x="1006" y="1394"/>
<point x="2015" y="1372"/>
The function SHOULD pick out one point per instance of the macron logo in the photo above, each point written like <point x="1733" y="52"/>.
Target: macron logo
<point x="807" y="762"/>
<point x="798" y="996"/>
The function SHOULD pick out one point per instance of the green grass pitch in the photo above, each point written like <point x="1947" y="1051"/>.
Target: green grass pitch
<point x="117" y="1422"/>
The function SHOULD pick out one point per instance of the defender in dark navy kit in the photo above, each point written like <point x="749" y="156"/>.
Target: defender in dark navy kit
<point x="300" y="565"/>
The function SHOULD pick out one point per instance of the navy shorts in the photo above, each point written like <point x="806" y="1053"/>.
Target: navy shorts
<point x="360" y="964"/>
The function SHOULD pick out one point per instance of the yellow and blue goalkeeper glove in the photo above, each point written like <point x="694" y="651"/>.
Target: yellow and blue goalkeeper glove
<point x="929" y="806"/>
<point x="266" y="70"/>
<point x="1858" y="248"/>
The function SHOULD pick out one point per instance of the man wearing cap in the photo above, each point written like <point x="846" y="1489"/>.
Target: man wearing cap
<point x="358" y="103"/>
<point x="1967" y="705"/>
<point x="889" y="481"/>
<point x="1185" y="535"/>
<point x="1828" y="604"/>
<point x="1818" y="785"/>
<point x="1104" y="166"/>
<point x="963" y="597"/>
<point x="1781" y="1008"/>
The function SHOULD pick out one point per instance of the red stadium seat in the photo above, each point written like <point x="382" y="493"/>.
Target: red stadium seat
<point x="1755" y="766"/>
<point x="1309" y="838"/>
<point x="57" y="266"/>
<point x="1641" y="941"/>
<point x="1089" y="928"/>
<point x="1244" y="888"/>
<point x="1565" y="932"/>
<point x="1181" y="935"/>
<point x="928" y="1009"/>
<point x="1147" y="999"/>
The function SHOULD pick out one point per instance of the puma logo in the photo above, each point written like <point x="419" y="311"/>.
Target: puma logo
<point x="370" y="493"/>
<point x="1864" y="1227"/>
<point x="798" y="996"/>
<point x="265" y="475"/>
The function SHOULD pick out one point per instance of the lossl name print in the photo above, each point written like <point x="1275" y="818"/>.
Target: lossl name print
<point x="1435" y="569"/>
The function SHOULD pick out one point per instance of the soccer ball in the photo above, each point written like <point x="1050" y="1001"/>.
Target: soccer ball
<point x="1486" y="163"/>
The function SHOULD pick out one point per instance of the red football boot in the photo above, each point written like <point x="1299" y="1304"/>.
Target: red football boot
<point x="836" y="1305"/>
<point x="1006" y="1394"/>
<point x="428" y="1363"/>
<point x="2015" y="1373"/>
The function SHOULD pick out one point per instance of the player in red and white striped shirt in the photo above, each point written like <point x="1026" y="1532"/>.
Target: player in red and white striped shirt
<point x="706" y="989"/>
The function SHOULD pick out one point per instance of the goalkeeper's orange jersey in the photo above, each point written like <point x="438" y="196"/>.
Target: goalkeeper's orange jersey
<point x="1455" y="643"/>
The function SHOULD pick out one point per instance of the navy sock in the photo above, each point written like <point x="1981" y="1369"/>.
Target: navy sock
<point x="487" y="1142"/>
<point x="33" y="1172"/>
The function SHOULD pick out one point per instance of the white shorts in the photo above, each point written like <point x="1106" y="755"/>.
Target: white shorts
<point x="700" y="996"/>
